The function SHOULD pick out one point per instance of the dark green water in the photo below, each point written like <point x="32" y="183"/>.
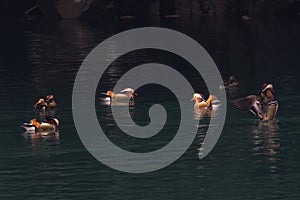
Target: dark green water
<point x="248" y="162"/>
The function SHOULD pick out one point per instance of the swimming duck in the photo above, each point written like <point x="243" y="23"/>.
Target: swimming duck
<point x="200" y="102"/>
<point x="48" y="126"/>
<point x="49" y="102"/>
<point x="127" y="93"/>
<point x="264" y="106"/>
<point x="122" y="97"/>
<point x="232" y="82"/>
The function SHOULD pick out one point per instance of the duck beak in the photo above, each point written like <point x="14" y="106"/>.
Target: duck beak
<point x="192" y="99"/>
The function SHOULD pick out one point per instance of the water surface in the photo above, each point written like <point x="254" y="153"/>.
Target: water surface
<point x="250" y="160"/>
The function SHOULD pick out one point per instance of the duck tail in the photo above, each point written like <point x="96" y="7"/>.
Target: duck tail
<point x="209" y="100"/>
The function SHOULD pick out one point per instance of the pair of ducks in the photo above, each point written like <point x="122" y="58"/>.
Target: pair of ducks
<point x="264" y="106"/>
<point x="129" y="94"/>
<point x="47" y="125"/>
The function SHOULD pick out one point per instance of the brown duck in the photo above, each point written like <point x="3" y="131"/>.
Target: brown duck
<point x="264" y="106"/>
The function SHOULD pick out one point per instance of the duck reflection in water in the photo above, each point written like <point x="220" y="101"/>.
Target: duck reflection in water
<point x="266" y="144"/>
<point x="38" y="140"/>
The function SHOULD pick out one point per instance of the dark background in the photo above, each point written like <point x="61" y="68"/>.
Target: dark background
<point x="15" y="9"/>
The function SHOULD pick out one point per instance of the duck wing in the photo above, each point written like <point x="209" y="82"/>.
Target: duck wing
<point x="253" y="103"/>
<point x="245" y="103"/>
<point x="120" y="97"/>
<point x="127" y="90"/>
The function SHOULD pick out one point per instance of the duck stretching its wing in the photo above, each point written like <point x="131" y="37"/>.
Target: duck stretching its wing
<point x="264" y="106"/>
<point x="252" y="103"/>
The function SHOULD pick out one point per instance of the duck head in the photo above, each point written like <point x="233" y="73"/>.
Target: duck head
<point x="232" y="78"/>
<point x="198" y="97"/>
<point x="110" y="93"/>
<point x="41" y="103"/>
<point x="49" y="98"/>
<point x="267" y="90"/>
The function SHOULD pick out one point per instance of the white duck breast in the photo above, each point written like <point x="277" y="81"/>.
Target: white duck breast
<point x="46" y="127"/>
<point x="121" y="100"/>
<point x="120" y="97"/>
<point x="28" y="127"/>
